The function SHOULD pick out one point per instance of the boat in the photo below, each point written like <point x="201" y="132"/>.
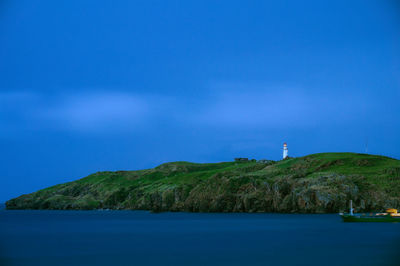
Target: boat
<point x="390" y="216"/>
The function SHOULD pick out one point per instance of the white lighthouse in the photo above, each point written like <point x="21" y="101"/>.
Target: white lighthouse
<point x="285" y="150"/>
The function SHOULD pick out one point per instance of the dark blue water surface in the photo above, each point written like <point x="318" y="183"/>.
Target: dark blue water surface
<point x="142" y="238"/>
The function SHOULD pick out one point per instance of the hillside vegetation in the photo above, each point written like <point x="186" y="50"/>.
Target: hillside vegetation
<point x="318" y="183"/>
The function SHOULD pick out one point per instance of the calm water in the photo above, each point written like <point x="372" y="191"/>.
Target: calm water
<point x="142" y="238"/>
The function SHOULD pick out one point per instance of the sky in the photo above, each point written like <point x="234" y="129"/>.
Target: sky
<point x="88" y="86"/>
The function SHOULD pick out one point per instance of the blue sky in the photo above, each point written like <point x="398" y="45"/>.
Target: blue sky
<point x="87" y="86"/>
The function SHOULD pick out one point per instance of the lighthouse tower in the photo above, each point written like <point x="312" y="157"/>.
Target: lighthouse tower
<point x="285" y="150"/>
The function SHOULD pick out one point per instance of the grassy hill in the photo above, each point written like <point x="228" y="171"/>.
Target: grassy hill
<point x="318" y="183"/>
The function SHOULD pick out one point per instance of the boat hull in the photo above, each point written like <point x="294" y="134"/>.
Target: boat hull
<point x="364" y="218"/>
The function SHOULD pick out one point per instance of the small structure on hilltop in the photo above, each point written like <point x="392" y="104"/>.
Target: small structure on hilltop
<point x="241" y="159"/>
<point x="285" y="151"/>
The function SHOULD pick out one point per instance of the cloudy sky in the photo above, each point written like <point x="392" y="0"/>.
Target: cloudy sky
<point x="87" y="86"/>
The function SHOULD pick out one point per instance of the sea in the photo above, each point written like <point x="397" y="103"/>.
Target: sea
<point x="33" y="237"/>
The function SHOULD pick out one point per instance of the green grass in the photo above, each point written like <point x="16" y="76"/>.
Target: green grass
<point x="371" y="173"/>
<point x="377" y="169"/>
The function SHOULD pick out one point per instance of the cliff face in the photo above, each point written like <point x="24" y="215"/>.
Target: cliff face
<point x="319" y="183"/>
